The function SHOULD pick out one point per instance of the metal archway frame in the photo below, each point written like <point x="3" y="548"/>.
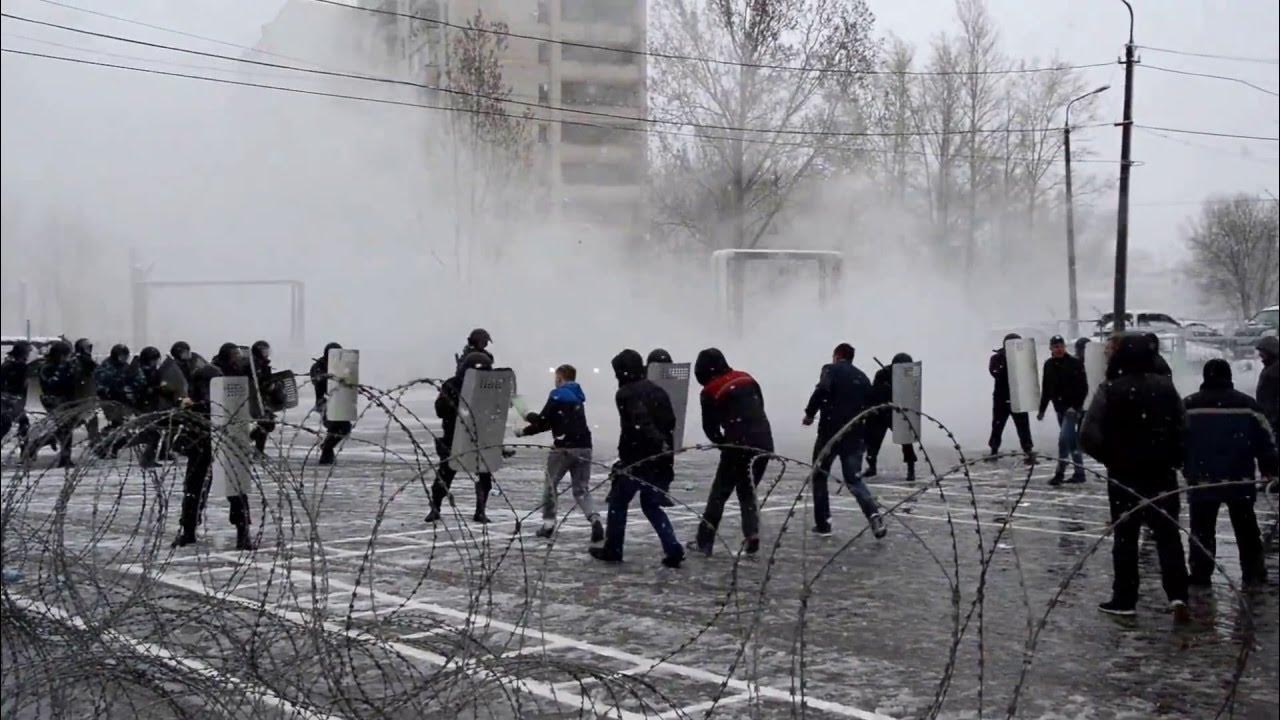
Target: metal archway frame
<point x="142" y="297"/>
<point x="729" y="267"/>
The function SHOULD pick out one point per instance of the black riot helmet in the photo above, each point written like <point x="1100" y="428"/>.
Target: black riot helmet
<point x="479" y="338"/>
<point x="119" y="352"/>
<point x="149" y="356"/>
<point x="84" y="346"/>
<point x="902" y="358"/>
<point x="658" y="355"/>
<point x="180" y="350"/>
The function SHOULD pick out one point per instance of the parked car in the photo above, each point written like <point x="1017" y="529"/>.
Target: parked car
<point x="1144" y="320"/>
<point x="1263" y="323"/>
<point x="1197" y="329"/>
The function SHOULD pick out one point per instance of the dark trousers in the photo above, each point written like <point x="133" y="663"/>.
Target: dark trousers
<point x="740" y="471"/>
<point x="1204" y="524"/>
<point x="877" y="428"/>
<point x="444" y="480"/>
<point x="1162" y="517"/>
<point x="261" y="431"/>
<point x="1000" y="414"/>
<point x="195" y="490"/>
<point x="850" y="453"/>
<point x="335" y="431"/>
<point x="624" y="489"/>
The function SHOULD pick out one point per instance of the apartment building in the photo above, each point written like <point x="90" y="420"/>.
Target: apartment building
<point x="591" y="156"/>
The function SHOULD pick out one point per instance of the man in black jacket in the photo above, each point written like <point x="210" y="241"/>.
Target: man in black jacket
<point x="1226" y="436"/>
<point x="335" y="430"/>
<point x="59" y="382"/>
<point x="842" y="394"/>
<point x="1065" y="385"/>
<point x="227" y="363"/>
<point x="118" y="383"/>
<point x="733" y="417"/>
<point x="1268" y="390"/>
<point x="13" y="391"/>
<point x="85" y="365"/>
<point x="566" y="417"/>
<point x="1002" y="409"/>
<point x="881" y="421"/>
<point x="647" y="431"/>
<point x="446" y="407"/>
<point x="270" y="395"/>
<point x="1135" y="426"/>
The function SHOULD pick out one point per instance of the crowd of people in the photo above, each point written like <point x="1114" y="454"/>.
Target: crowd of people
<point x="1136" y="425"/>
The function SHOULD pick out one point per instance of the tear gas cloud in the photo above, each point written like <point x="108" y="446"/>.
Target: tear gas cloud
<point x="197" y="181"/>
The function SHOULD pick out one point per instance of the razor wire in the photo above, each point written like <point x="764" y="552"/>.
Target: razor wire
<point x="101" y="616"/>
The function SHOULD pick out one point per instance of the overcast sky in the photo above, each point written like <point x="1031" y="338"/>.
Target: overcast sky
<point x="1176" y="171"/>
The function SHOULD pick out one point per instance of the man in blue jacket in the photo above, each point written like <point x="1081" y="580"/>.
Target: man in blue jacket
<point x="842" y="394"/>
<point x="1227" y="435"/>
<point x="566" y="417"/>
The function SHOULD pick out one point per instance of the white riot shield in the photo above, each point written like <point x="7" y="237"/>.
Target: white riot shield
<point x="908" y="387"/>
<point x="340" y="387"/>
<point x="1024" y="375"/>
<point x="1095" y="366"/>
<point x="482" y="420"/>
<point x="232" y="448"/>
<point x="674" y="379"/>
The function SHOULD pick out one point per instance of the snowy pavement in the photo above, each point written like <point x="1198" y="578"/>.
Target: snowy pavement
<point x="982" y="595"/>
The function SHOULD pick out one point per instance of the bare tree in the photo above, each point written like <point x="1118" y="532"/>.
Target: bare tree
<point x="493" y="133"/>
<point x="981" y="60"/>
<point x="939" y="120"/>
<point x="1235" y="248"/>
<point x="738" y="181"/>
<point x="1038" y="101"/>
<point x="893" y="158"/>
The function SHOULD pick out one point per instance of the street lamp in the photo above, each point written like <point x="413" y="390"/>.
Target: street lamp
<point x="1071" y="219"/>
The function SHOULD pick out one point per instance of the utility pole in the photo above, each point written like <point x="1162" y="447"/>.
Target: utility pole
<point x="1071" y="216"/>
<point x="1122" y="211"/>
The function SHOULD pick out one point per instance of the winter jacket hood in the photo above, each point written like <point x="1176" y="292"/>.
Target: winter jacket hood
<point x="710" y="364"/>
<point x="568" y="392"/>
<point x="628" y="366"/>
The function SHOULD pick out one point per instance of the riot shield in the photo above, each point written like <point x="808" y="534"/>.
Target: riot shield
<point x="908" y="387"/>
<point x="483" y="403"/>
<point x="340" y="387"/>
<point x="674" y="379"/>
<point x="284" y="391"/>
<point x="232" y="449"/>
<point x="1024" y="375"/>
<point x="171" y="378"/>
<point x="1095" y="366"/>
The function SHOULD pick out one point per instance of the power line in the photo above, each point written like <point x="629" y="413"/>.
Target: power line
<point x="136" y="58"/>
<point x="1209" y="133"/>
<point x="1237" y="58"/>
<point x="1228" y="78"/>
<point x="527" y="104"/>
<point x="1206" y="201"/>
<point x="695" y="58"/>
<point x="175" y="31"/>
<point x="475" y="111"/>
<point x="1215" y="150"/>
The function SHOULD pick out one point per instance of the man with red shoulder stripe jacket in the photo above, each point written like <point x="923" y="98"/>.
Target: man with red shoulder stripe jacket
<point x="733" y="416"/>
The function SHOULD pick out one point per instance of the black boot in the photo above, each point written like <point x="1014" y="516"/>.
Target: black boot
<point x="483" y="486"/>
<point x="244" y="541"/>
<point x="185" y="537"/>
<point x="871" y="467"/>
<point x="911" y="472"/>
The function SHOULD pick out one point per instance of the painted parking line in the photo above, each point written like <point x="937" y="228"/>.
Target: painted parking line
<point x="156" y="652"/>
